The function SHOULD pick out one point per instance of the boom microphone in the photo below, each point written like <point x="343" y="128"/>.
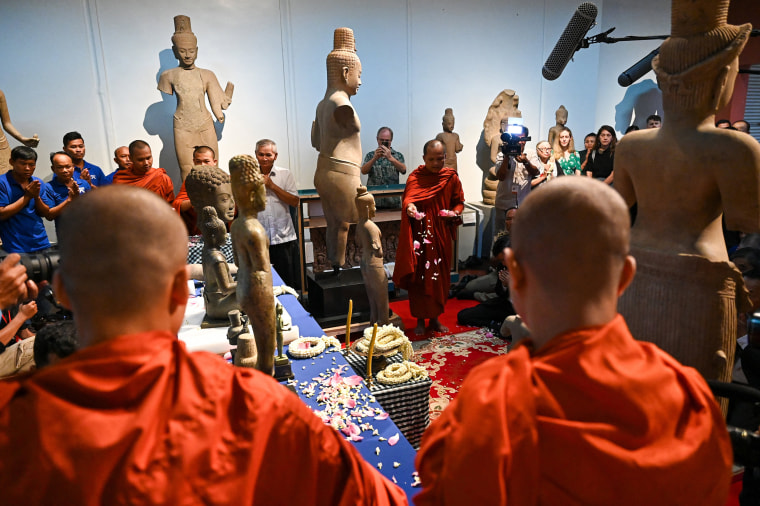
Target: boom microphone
<point x="637" y="70"/>
<point x="581" y="22"/>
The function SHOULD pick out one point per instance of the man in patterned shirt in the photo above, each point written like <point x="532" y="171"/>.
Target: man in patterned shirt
<point x="383" y="166"/>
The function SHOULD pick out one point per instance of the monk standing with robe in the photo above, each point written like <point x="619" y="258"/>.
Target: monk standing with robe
<point x="142" y="173"/>
<point x="133" y="417"/>
<point x="433" y="202"/>
<point x="581" y="413"/>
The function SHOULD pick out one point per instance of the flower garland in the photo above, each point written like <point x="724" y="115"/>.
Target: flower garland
<point x="308" y="347"/>
<point x="401" y="373"/>
<point x="389" y="341"/>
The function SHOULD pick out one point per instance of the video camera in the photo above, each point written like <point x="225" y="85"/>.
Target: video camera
<point x="40" y="268"/>
<point x="512" y="138"/>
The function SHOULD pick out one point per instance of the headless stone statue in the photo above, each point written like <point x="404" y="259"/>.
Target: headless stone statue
<point x="250" y="247"/>
<point x="219" y="293"/>
<point x="193" y="124"/>
<point x="450" y="139"/>
<point x="5" y="148"/>
<point x="373" y="272"/>
<point x="686" y="177"/>
<point x="561" y="120"/>
<point x="335" y="134"/>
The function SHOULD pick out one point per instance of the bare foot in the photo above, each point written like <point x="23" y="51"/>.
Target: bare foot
<point x="437" y="326"/>
<point x="420" y="328"/>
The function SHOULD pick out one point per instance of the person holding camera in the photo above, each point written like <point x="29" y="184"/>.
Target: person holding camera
<point x="383" y="166"/>
<point x="514" y="185"/>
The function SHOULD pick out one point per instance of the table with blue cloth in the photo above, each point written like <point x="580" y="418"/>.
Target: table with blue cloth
<point x="307" y="370"/>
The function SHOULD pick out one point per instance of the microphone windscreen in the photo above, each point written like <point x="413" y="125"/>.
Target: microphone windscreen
<point x="579" y="25"/>
<point x="637" y="70"/>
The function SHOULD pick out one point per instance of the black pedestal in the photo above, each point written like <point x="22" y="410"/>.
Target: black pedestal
<point x="329" y="293"/>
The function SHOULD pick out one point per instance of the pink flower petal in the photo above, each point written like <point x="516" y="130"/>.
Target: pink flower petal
<point x="303" y="345"/>
<point x="352" y="381"/>
<point x="416" y="244"/>
<point x="350" y="403"/>
<point x="393" y="440"/>
<point x="381" y="416"/>
<point x="427" y="265"/>
<point x="355" y="437"/>
<point x="426" y="241"/>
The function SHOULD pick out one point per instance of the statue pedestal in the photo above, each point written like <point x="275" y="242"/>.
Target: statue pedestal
<point x="329" y="294"/>
<point x="282" y="369"/>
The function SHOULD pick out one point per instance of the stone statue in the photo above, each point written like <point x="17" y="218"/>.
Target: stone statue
<point x="503" y="107"/>
<point x="5" y="148"/>
<point x="208" y="185"/>
<point x="219" y="292"/>
<point x="450" y="139"/>
<point x="561" y="120"/>
<point x="193" y="124"/>
<point x="686" y="177"/>
<point x="250" y="247"/>
<point x="335" y="134"/>
<point x="246" y="354"/>
<point x="373" y="272"/>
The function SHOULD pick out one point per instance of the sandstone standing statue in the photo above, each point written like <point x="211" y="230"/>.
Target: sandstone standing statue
<point x="560" y="117"/>
<point x="686" y="177"/>
<point x="250" y="246"/>
<point x="503" y="107"/>
<point x="219" y="291"/>
<point x="5" y="148"/>
<point x="373" y="272"/>
<point x="193" y="124"/>
<point x="450" y="139"/>
<point x="335" y="134"/>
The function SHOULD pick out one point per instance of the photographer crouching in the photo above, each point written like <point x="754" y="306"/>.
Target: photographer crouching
<point x="28" y="304"/>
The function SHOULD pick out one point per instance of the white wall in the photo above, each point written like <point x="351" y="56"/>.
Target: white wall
<point x="92" y="66"/>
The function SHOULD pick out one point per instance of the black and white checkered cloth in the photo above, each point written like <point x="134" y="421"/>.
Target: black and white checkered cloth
<point x="195" y="249"/>
<point x="408" y="404"/>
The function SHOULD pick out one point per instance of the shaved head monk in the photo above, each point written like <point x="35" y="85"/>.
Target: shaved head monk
<point x="581" y="413"/>
<point x="132" y="417"/>
<point x="142" y="173"/>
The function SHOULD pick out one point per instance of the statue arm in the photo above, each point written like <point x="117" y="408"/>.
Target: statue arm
<point x="165" y="83"/>
<point x="740" y="189"/>
<point x="222" y="273"/>
<point x="315" y="137"/>
<point x="459" y="146"/>
<point x="5" y="117"/>
<point x="345" y="117"/>
<point x="623" y="183"/>
<point x="216" y="95"/>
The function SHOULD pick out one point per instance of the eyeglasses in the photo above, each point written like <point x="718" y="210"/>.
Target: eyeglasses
<point x="544" y="149"/>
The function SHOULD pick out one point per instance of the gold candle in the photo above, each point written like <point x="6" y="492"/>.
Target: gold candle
<point x="348" y="323"/>
<point x="371" y="352"/>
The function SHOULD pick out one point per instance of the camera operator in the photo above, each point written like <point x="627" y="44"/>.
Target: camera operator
<point x="383" y="166"/>
<point x="15" y="288"/>
<point x="512" y="183"/>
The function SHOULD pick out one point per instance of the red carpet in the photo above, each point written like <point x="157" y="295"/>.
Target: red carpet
<point x="448" y="359"/>
<point x="448" y="318"/>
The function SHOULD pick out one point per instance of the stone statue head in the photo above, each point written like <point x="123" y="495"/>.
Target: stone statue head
<point x="365" y="203"/>
<point x="213" y="229"/>
<point x="448" y="120"/>
<point x="343" y="66"/>
<point x="208" y="185"/>
<point x="247" y="183"/>
<point x="698" y="63"/>
<point x="561" y="115"/>
<point x="184" y="42"/>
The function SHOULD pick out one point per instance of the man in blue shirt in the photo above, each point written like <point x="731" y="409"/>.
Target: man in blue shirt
<point x="73" y="145"/>
<point x="22" y="197"/>
<point x="64" y="187"/>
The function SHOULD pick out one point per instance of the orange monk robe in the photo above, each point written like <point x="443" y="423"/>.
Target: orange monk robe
<point x="593" y="418"/>
<point x="189" y="216"/>
<point x="425" y="271"/>
<point x="155" y="180"/>
<point x="139" y="420"/>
